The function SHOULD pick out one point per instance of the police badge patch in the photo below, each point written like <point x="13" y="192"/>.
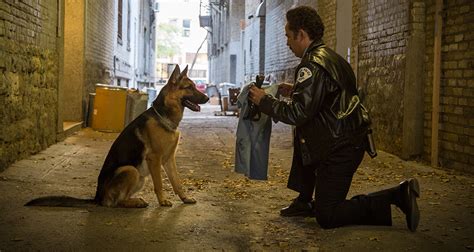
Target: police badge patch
<point x="303" y="74"/>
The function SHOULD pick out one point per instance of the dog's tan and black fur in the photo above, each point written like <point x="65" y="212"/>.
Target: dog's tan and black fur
<point x="142" y="148"/>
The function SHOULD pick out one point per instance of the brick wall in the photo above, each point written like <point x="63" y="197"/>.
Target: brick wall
<point x="456" y="131"/>
<point x="251" y="41"/>
<point x="99" y="45"/>
<point x="327" y="12"/>
<point x="355" y="35"/>
<point x="280" y="62"/>
<point x="383" y="28"/>
<point x="237" y="13"/>
<point x="28" y="78"/>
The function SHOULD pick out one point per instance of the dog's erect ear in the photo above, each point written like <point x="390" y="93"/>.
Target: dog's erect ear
<point x="175" y="75"/>
<point x="184" y="72"/>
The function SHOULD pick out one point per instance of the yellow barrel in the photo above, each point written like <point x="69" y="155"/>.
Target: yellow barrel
<point x="109" y="108"/>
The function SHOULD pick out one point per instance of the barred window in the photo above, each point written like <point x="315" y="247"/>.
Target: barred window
<point x="119" y="21"/>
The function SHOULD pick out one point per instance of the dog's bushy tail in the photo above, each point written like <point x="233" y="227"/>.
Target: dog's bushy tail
<point x="61" y="201"/>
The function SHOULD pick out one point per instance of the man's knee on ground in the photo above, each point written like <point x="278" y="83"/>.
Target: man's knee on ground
<point x="324" y="217"/>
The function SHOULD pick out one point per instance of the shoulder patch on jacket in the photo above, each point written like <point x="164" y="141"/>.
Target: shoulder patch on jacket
<point x="303" y="74"/>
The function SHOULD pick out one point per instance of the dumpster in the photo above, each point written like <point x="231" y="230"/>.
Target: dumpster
<point x="109" y="108"/>
<point x="136" y="104"/>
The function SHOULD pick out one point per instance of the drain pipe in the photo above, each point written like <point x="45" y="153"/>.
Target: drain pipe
<point x="436" y="83"/>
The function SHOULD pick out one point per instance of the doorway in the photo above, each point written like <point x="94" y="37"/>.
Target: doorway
<point x="71" y="84"/>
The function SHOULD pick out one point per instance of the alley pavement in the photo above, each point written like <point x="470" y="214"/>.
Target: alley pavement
<point x="232" y="213"/>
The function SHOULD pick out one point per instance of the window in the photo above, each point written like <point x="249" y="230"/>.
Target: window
<point x="186" y="23"/>
<point x="186" y="27"/>
<point x="119" y="21"/>
<point x="197" y="74"/>
<point x="145" y="53"/>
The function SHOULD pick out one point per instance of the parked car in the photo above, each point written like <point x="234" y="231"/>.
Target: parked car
<point x="201" y="87"/>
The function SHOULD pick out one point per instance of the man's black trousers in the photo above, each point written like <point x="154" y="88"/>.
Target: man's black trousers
<point x="331" y="181"/>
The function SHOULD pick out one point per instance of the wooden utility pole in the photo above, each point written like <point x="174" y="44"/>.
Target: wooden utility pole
<point x="436" y="82"/>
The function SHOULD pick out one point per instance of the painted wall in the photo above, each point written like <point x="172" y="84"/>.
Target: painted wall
<point x="74" y="51"/>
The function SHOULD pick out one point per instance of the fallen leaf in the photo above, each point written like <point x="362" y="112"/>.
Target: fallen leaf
<point x="374" y="239"/>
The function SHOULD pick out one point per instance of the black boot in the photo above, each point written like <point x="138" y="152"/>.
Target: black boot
<point x="297" y="208"/>
<point x="404" y="197"/>
<point x="409" y="191"/>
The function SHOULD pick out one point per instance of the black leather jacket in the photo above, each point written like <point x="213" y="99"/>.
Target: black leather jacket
<point x="323" y="107"/>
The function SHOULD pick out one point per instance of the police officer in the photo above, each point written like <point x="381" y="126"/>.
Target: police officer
<point x="330" y="135"/>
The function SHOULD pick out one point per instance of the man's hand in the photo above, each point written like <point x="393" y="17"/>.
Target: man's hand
<point x="256" y="94"/>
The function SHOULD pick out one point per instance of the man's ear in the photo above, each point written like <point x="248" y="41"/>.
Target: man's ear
<point x="302" y="34"/>
<point x="184" y="72"/>
<point x="175" y="75"/>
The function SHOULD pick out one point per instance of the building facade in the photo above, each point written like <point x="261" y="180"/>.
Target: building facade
<point x="225" y="50"/>
<point x="134" y="50"/>
<point x="180" y="40"/>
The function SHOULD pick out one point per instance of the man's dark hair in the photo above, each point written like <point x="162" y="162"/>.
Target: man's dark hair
<point x="306" y="18"/>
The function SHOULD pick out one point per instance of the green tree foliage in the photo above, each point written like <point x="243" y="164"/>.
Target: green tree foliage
<point x="167" y="40"/>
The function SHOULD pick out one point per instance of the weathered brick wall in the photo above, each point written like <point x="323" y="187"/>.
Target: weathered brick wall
<point x="327" y="12"/>
<point x="237" y="13"/>
<point x="456" y="131"/>
<point x="28" y="81"/>
<point x="355" y="35"/>
<point x="99" y="45"/>
<point x="251" y="40"/>
<point x="280" y="62"/>
<point x="383" y="28"/>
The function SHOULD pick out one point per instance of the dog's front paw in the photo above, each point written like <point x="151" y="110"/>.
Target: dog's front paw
<point x="166" y="203"/>
<point x="141" y="203"/>
<point x="189" y="201"/>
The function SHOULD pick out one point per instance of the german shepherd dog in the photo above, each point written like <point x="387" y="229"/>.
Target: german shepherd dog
<point x="142" y="148"/>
